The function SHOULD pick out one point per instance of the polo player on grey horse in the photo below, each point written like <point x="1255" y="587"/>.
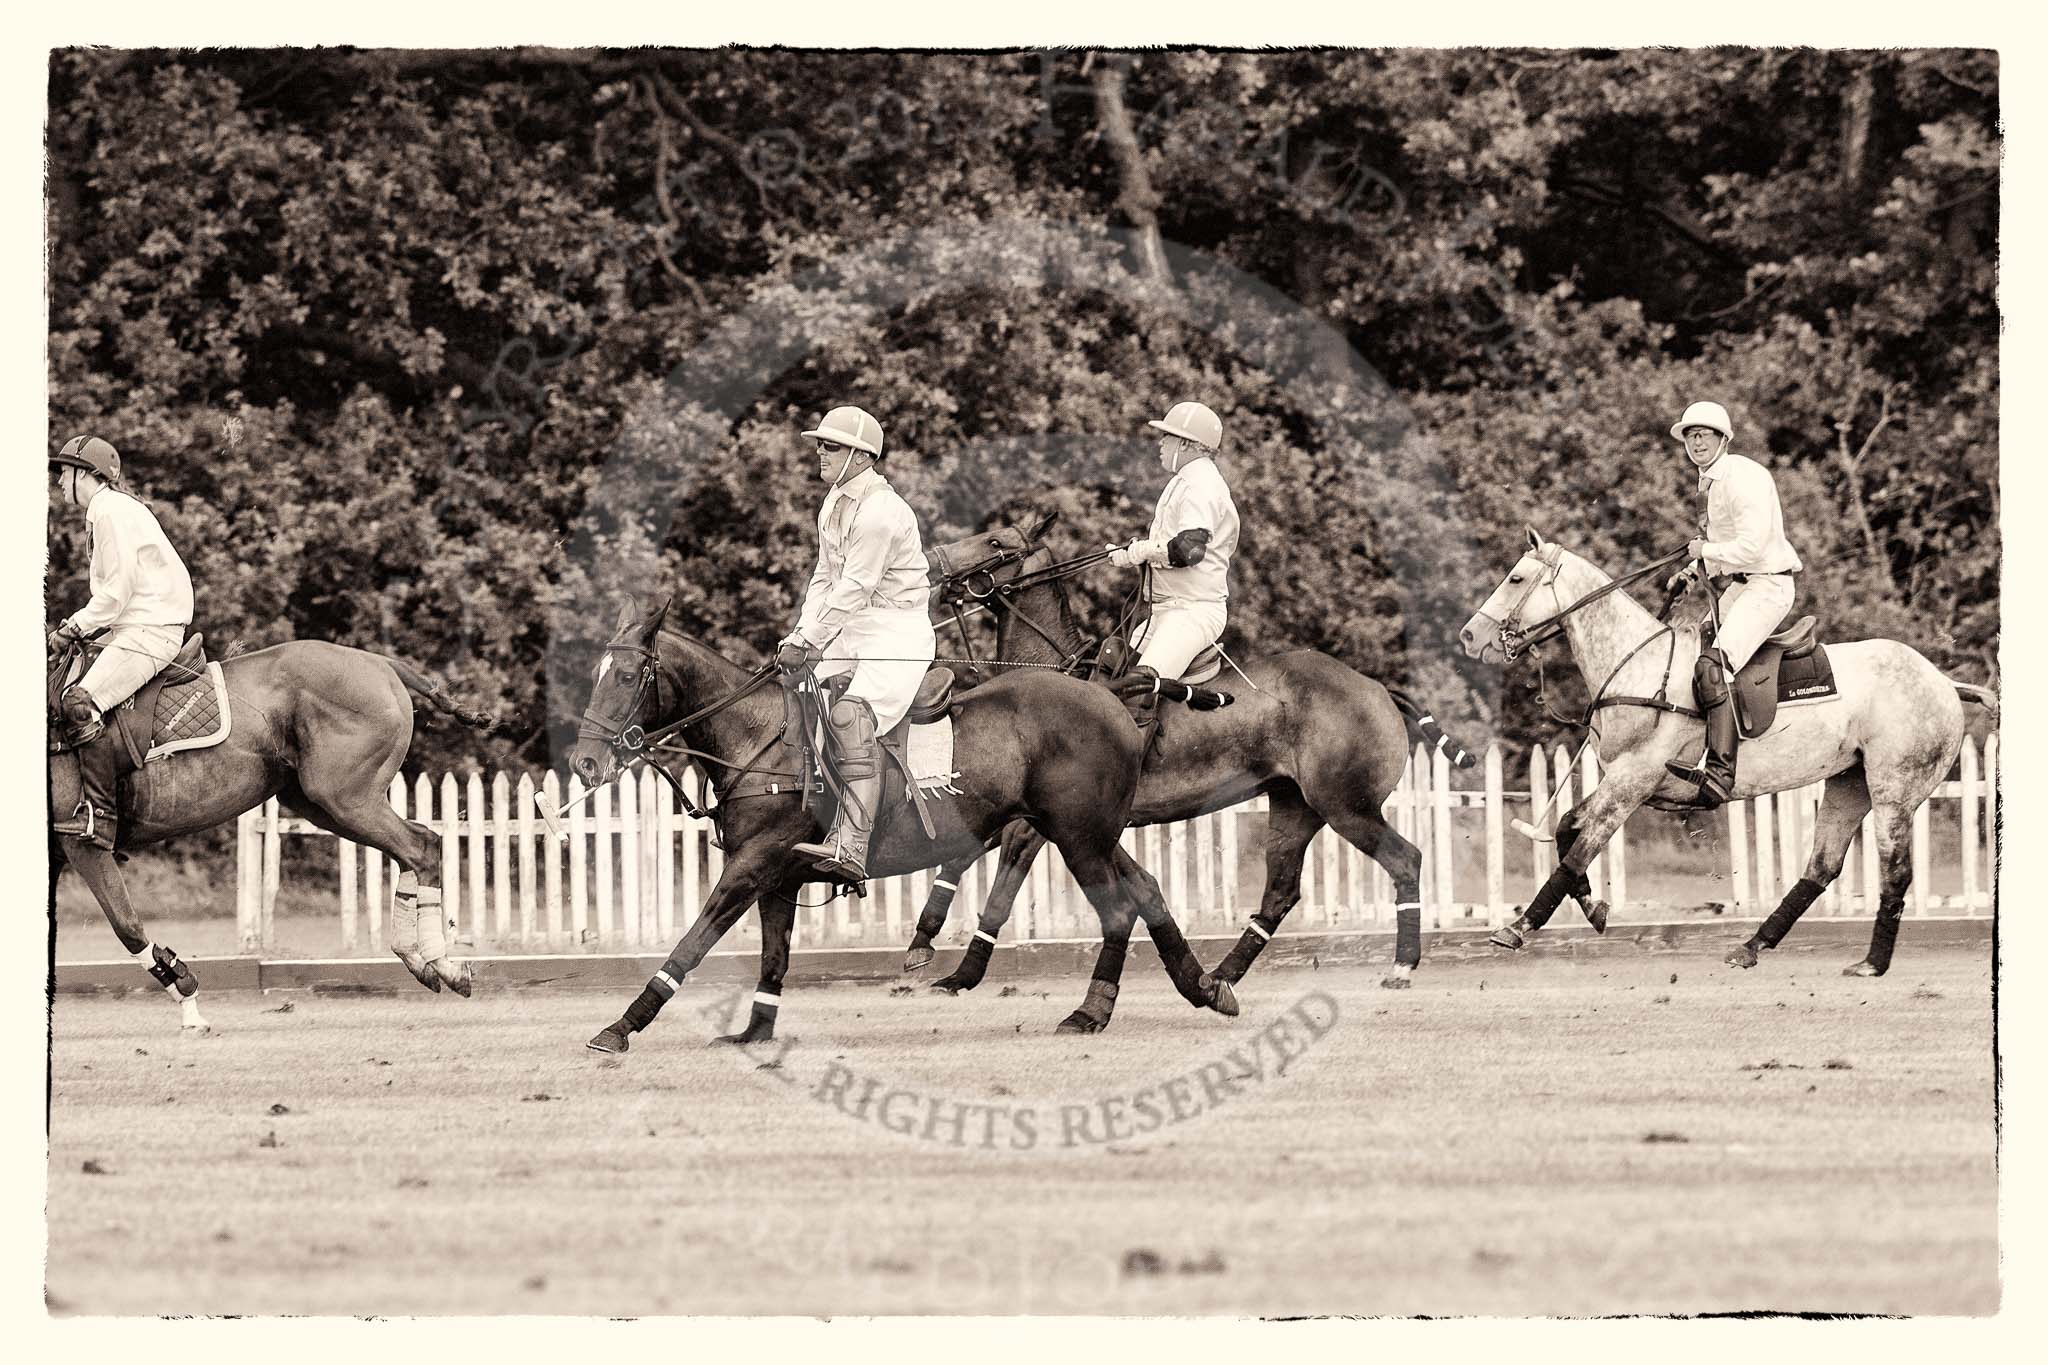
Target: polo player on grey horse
<point x="869" y="602"/>
<point x="1750" y="564"/>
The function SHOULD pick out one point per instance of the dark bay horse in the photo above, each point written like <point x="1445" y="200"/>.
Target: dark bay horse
<point x="1042" y="747"/>
<point x="323" y="728"/>
<point x="1325" y="744"/>
<point x="1881" y="745"/>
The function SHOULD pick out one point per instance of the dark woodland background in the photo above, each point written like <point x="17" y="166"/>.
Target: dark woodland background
<point x="391" y="339"/>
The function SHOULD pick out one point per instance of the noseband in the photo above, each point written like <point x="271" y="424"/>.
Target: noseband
<point x="1513" y="638"/>
<point x="625" y="735"/>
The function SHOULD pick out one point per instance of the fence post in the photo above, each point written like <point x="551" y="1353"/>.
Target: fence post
<point x="1446" y="867"/>
<point x="1738" y="855"/>
<point x="650" y="856"/>
<point x="1229" y="819"/>
<point x="551" y="864"/>
<point x="579" y="854"/>
<point x="1969" y="835"/>
<point x="451" y="850"/>
<point x="1791" y="835"/>
<point x="1992" y="813"/>
<point x="272" y="851"/>
<point x="629" y="859"/>
<point x="476" y="817"/>
<point x="248" y="882"/>
<point x="1766" y="865"/>
<point x="1923" y="869"/>
<point x="345" y="858"/>
<point x="666" y="818"/>
<point x="689" y="897"/>
<point x="529" y="896"/>
<point x="1496" y="851"/>
<point x="1539" y="793"/>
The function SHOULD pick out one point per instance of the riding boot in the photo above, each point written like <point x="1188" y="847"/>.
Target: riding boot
<point x="844" y="853"/>
<point x="1139" y="692"/>
<point x="96" y="817"/>
<point x="1715" y="772"/>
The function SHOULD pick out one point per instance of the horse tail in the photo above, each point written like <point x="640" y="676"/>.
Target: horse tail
<point x="431" y="692"/>
<point x="1983" y="696"/>
<point x="1424" y="727"/>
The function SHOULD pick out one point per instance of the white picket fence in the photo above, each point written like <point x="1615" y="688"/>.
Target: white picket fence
<point x="634" y="868"/>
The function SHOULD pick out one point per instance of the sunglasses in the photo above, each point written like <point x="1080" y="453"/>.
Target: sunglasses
<point x="829" y="448"/>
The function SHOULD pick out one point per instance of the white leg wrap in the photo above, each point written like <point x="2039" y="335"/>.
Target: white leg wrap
<point x="985" y="935"/>
<point x="405" y="914"/>
<point x="433" y="927"/>
<point x="1259" y="929"/>
<point x="767" y="1000"/>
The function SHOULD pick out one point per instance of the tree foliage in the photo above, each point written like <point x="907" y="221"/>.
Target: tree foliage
<point x="438" y="353"/>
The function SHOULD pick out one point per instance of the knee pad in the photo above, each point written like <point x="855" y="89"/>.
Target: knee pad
<point x="853" y="718"/>
<point x="1710" y="677"/>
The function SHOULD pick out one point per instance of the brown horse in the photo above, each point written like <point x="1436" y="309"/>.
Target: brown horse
<point x="323" y="728"/>
<point x="1041" y="747"/>
<point x="1324" y="744"/>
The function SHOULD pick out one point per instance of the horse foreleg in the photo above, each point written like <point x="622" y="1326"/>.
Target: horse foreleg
<point x="1843" y="804"/>
<point x="778" y="921"/>
<point x="1021" y="844"/>
<point x="96" y="865"/>
<point x="1141" y="891"/>
<point x="743" y="882"/>
<point x="1368" y="831"/>
<point x="1581" y="834"/>
<point x="932" y="918"/>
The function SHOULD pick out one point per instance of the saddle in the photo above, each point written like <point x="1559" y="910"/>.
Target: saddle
<point x="932" y="704"/>
<point x="185" y="706"/>
<point x="1788" y="668"/>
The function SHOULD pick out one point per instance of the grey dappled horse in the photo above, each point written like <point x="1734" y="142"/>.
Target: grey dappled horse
<point x="1882" y="744"/>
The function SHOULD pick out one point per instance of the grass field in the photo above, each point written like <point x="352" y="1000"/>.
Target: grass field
<point x="1651" y="1133"/>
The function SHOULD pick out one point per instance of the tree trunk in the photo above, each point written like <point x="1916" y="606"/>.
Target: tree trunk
<point x="1136" y="197"/>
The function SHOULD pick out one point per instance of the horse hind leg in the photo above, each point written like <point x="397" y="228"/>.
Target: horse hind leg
<point x="1843" y="804"/>
<point x="1895" y="872"/>
<point x="420" y="929"/>
<point x="97" y="867"/>
<point x="1369" y="832"/>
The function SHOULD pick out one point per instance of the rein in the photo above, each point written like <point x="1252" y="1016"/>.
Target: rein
<point x="1514" y="639"/>
<point x="981" y="585"/>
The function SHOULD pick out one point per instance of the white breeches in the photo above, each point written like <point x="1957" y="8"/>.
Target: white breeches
<point x="888" y="651"/>
<point x="1749" y="613"/>
<point x="1178" y="631"/>
<point x="129" y="657"/>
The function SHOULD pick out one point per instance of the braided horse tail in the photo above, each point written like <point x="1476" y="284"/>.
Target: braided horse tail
<point x="1424" y="727"/>
<point x="431" y="692"/>
<point x="1983" y="696"/>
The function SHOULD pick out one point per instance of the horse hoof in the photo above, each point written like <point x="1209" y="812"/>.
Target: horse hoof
<point x="1399" y="981"/>
<point x="917" y="959"/>
<point x="1863" y="968"/>
<point x="1507" y="936"/>
<point x="1077" y="1022"/>
<point x="461" y="982"/>
<point x="609" y="1040"/>
<point x="421" y="972"/>
<point x="1741" y="956"/>
<point x="743" y="1039"/>
<point x="1224" y="1001"/>
<point x="1596" y="915"/>
<point x="948" y="986"/>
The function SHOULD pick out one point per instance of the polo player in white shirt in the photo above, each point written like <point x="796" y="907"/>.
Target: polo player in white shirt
<point x="141" y="596"/>
<point x="867" y="613"/>
<point x="1192" y="537"/>
<point x="1750" y="563"/>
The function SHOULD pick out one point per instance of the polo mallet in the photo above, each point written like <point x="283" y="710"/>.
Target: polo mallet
<point x="551" y="813"/>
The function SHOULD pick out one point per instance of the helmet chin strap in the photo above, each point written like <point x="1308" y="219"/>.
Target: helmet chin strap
<point x="844" y="465"/>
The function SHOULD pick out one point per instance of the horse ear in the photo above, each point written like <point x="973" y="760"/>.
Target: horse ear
<point x="1043" y="524"/>
<point x="658" y="615"/>
<point x="1535" y="540"/>
<point x="629" y="615"/>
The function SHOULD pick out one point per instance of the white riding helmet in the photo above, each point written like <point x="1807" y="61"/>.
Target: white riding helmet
<point x="1704" y="415"/>
<point x="1192" y="422"/>
<point x="850" y="427"/>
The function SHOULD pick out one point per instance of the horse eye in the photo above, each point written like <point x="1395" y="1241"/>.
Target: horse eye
<point x="1514" y="578"/>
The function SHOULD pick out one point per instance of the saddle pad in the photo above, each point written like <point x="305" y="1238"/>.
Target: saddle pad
<point x="931" y="757"/>
<point x="1802" y="681"/>
<point x="191" y="715"/>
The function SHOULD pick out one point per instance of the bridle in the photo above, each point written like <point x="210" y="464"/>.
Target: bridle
<point x="1516" y="639"/>
<point x="979" y="586"/>
<point x="631" y="742"/>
